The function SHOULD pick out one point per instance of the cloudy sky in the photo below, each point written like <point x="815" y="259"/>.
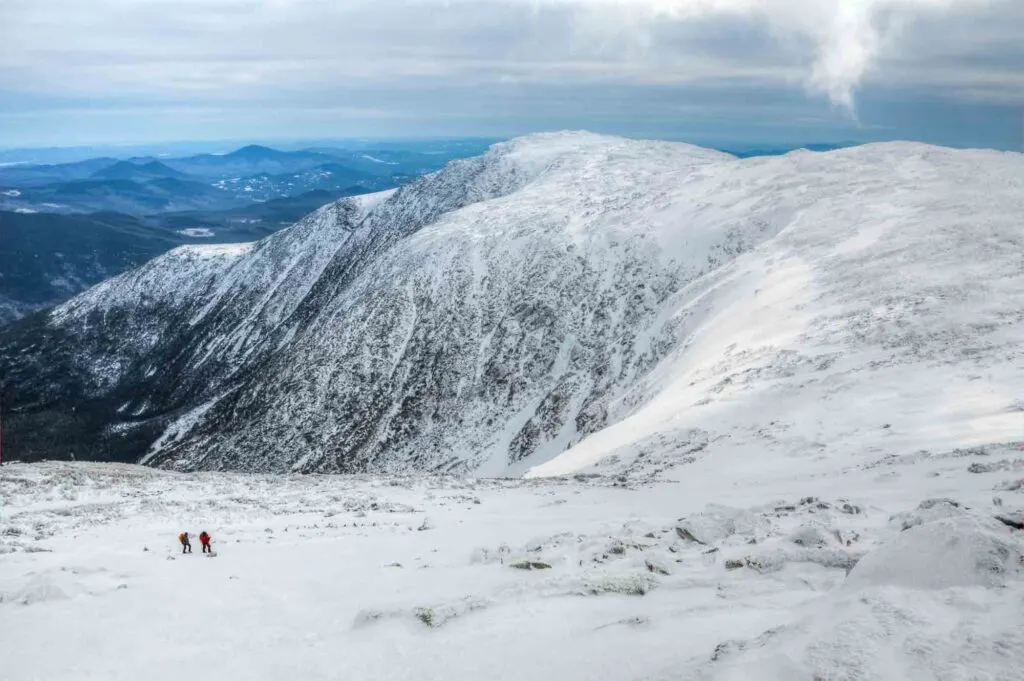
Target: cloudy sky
<point x="708" y="71"/>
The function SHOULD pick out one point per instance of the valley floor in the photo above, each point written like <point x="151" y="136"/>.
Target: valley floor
<point x="405" y="578"/>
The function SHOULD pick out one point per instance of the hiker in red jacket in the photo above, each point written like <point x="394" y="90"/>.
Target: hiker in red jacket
<point x="204" y="539"/>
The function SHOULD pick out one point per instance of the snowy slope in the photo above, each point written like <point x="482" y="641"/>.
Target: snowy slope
<point x="567" y="302"/>
<point x="886" y="321"/>
<point x="860" y="575"/>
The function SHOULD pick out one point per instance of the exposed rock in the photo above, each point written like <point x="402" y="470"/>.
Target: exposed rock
<point x="530" y="565"/>
<point x="996" y="466"/>
<point x="1013" y="519"/>
<point x="656" y="566"/>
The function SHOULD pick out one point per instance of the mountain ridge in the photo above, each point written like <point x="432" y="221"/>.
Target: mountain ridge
<point x="126" y="170"/>
<point x="502" y="314"/>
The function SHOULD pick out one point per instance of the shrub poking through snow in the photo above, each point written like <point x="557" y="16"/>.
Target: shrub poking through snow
<point x="629" y="583"/>
<point x="616" y="547"/>
<point x="485" y="555"/>
<point x="439" y="615"/>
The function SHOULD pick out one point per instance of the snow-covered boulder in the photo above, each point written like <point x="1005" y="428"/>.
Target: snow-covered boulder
<point x="946" y="553"/>
<point x="927" y="511"/>
<point x="811" y="536"/>
<point x="40" y="589"/>
<point x="717" y="523"/>
<point x="775" y="559"/>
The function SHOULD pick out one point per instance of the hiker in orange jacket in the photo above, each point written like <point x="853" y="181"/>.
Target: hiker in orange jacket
<point x="186" y="545"/>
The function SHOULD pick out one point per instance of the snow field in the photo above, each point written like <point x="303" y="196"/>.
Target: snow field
<point x="703" y="575"/>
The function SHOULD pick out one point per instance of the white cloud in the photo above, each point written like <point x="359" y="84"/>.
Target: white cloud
<point x="848" y="37"/>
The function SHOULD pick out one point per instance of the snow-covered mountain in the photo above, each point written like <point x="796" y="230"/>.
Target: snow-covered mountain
<point x="563" y="302"/>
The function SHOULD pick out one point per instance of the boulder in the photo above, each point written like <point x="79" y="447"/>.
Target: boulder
<point x="945" y="553"/>
<point x="530" y="565"/>
<point x="927" y="511"/>
<point x="811" y="536"/>
<point x="657" y="566"/>
<point x="715" y="524"/>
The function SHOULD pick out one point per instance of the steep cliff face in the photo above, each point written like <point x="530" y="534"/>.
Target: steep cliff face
<point x="495" y="314"/>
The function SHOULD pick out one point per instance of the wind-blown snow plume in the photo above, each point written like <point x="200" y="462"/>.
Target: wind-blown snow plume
<point x="848" y="36"/>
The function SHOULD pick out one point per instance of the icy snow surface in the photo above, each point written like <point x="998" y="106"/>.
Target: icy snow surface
<point x="328" y="577"/>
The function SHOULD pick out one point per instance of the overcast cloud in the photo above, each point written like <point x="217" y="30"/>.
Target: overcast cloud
<point x="77" y="71"/>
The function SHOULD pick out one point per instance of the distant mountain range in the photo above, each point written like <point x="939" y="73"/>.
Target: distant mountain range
<point x="67" y="226"/>
<point x="751" y="150"/>
<point x="144" y="185"/>
<point x="144" y="172"/>
<point x="46" y="258"/>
